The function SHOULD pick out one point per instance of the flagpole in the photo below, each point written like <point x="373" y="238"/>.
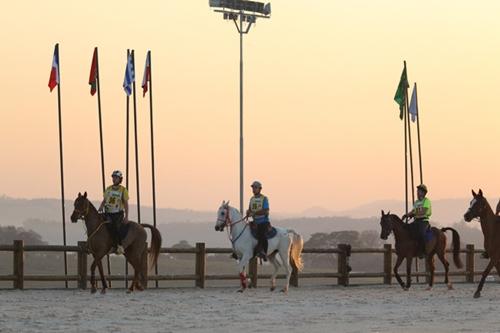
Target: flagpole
<point x="61" y="163"/>
<point x="136" y="143"/>
<point x="127" y="130"/>
<point x="418" y="137"/>
<point x="101" y="140"/>
<point x="152" y="145"/>
<point x="100" y="120"/>
<point x="406" y="158"/>
<point x="409" y="141"/>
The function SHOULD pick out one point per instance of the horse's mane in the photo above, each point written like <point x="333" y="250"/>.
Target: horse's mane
<point x="399" y="220"/>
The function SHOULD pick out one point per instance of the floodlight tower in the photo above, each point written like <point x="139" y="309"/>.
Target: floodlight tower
<point x="243" y="13"/>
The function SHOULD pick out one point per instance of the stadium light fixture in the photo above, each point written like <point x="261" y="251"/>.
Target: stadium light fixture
<point x="243" y="13"/>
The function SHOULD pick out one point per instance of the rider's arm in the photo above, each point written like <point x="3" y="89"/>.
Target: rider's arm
<point x="125" y="206"/>
<point x="101" y="207"/>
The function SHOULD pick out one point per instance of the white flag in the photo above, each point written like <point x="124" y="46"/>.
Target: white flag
<point x="414" y="104"/>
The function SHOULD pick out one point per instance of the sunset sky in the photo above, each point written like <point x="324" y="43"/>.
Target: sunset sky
<point x="321" y="126"/>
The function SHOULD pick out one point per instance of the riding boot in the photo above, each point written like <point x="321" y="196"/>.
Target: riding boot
<point x="422" y="251"/>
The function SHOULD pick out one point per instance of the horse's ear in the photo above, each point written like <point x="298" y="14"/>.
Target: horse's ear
<point x="383" y="214"/>
<point x="85" y="195"/>
<point x="227" y="203"/>
<point x="480" y="193"/>
<point x="79" y="194"/>
<point x="223" y="202"/>
<point x="474" y="194"/>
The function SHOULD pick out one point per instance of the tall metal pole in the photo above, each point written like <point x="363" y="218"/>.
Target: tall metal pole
<point x="61" y="163"/>
<point x="241" y="112"/>
<point x="127" y="163"/>
<point x="136" y="144"/>
<point x="127" y="131"/>
<point x="101" y="140"/>
<point x="100" y="121"/>
<point x="418" y="136"/>
<point x="410" y="142"/>
<point x="406" y="161"/>
<point x="152" y="146"/>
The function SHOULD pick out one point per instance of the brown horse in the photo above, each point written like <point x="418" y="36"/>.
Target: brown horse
<point x="490" y="225"/>
<point x="407" y="247"/>
<point x="99" y="243"/>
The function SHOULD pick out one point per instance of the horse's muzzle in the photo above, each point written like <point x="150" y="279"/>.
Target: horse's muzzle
<point x="467" y="217"/>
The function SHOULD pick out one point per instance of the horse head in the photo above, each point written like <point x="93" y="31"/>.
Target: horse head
<point x="222" y="216"/>
<point x="385" y="225"/>
<point x="477" y="205"/>
<point x="81" y="207"/>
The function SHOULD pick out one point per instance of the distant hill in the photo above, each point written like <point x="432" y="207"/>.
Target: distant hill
<point x="17" y="211"/>
<point x="43" y="216"/>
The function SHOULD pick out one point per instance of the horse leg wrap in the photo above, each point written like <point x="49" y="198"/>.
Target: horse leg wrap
<point x="243" y="279"/>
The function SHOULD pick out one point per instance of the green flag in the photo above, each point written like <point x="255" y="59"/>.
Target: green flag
<point x="400" y="93"/>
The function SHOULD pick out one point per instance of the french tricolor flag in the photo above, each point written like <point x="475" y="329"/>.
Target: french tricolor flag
<point x="54" y="73"/>
<point x="147" y="74"/>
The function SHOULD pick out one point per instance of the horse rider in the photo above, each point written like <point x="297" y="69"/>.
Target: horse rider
<point x="422" y="211"/>
<point x="115" y="208"/>
<point x="259" y="211"/>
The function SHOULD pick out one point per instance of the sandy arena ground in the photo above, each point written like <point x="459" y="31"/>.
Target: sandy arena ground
<point x="307" y="309"/>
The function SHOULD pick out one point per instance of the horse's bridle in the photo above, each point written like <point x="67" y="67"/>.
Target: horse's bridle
<point x="227" y="220"/>
<point x="83" y="214"/>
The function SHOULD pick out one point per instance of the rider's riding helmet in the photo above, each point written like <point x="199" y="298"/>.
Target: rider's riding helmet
<point x="257" y="184"/>
<point x="117" y="173"/>
<point x="422" y="187"/>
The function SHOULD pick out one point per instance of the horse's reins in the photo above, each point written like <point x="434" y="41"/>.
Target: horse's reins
<point x="229" y="224"/>
<point x="83" y="216"/>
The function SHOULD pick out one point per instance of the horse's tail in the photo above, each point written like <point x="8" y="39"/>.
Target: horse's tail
<point x="155" y="244"/>
<point x="456" y="247"/>
<point x="296" y="250"/>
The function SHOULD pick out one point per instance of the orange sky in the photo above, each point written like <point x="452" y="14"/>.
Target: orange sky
<point x="320" y="121"/>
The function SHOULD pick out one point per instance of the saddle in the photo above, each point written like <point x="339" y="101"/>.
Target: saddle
<point x="271" y="231"/>
<point x="429" y="235"/>
<point x="122" y="230"/>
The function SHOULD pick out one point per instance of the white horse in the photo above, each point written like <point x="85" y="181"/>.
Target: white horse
<point x="287" y="243"/>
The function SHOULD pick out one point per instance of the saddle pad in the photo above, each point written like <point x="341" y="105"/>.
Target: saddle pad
<point x="429" y="235"/>
<point x="270" y="234"/>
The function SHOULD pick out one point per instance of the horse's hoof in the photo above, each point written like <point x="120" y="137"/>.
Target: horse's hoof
<point x="93" y="290"/>
<point x="129" y="291"/>
<point x="284" y="290"/>
<point x="272" y="288"/>
<point x="103" y="292"/>
<point x="477" y="294"/>
<point x="241" y="290"/>
<point x="406" y="288"/>
<point x="450" y="287"/>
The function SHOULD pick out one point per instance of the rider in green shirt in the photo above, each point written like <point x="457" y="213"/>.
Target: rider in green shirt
<point x="422" y="211"/>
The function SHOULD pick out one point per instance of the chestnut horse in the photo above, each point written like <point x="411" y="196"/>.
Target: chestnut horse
<point x="407" y="247"/>
<point x="490" y="225"/>
<point x="99" y="243"/>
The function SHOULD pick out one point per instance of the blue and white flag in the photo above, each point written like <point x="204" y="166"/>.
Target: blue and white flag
<point x="129" y="76"/>
<point x="414" y="104"/>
